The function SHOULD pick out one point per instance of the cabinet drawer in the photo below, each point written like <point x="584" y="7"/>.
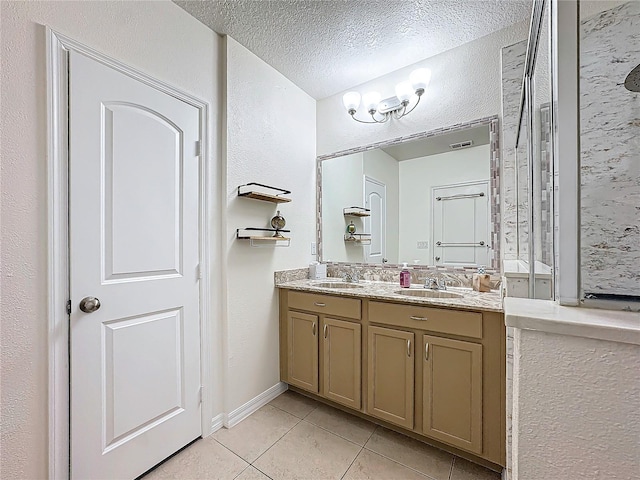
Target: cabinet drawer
<point x="325" y="304"/>
<point x="454" y="322"/>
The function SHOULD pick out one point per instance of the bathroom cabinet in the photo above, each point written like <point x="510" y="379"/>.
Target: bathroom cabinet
<point x="434" y="373"/>
<point x="452" y="391"/>
<point x="323" y="347"/>
<point x="390" y="385"/>
<point x="303" y="350"/>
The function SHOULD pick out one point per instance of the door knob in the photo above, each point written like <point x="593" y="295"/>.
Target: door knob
<point x="89" y="304"/>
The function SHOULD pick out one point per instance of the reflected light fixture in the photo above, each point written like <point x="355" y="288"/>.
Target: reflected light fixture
<point x="396" y="106"/>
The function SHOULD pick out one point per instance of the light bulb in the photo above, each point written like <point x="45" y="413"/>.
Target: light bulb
<point x="371" y="101"/>
<point x="351" y="101"/>
<point x="420" y="78"/>
<point x="404" y="91"/>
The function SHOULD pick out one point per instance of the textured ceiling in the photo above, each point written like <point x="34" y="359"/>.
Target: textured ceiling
<point x="327" y="46"/>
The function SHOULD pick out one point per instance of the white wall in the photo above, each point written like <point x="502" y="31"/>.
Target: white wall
<point x="269" y="142"/>
<point x="576" y="408"/>
<point x="417" y="178"/>
<point x="383" y="167"/>
<point x="465" y="85"/>
<point x="158" y="38"/>
<point x="341" y="187"/>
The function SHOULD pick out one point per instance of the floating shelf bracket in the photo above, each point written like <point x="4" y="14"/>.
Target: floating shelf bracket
<point x="276" y="240"/>
<point x="247" y="191"/>
<point x="356" y="212"/>
<point x="358" y="238"/>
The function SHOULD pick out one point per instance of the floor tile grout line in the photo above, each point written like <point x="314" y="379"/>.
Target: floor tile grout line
<point x="453" y="463"/>
<point x="400" y="463"/>
<point x="352" y="462"/>
<point x="270" y="478"/>
<point x="241" y="471"/>
<point x="292" y="414"/>
<point x="227" y="448"/>
<point x="274" y="444"/>
<point x="337" y="434"/>
<point x="375" y="428"/>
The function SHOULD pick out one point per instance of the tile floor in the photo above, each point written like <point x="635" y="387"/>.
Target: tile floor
<point x="294" y="437"/>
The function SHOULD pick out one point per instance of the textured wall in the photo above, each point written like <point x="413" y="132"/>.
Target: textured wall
<point x="465" y="86"/>
<point x="270" y="139"/>
<point x="576" y="408"/>
<point x="156" y="37"/>
<point x="610" y="152"/>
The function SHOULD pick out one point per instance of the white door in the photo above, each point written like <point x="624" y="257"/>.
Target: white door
<point x="133" y="235"/>
<point x="461" y="224"/>
<point x="375" y="199"/>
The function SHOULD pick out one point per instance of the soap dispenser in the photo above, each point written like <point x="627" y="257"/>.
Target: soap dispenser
<point x="405" y="276"/>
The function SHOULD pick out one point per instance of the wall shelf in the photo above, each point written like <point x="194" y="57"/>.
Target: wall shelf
<point x="276" y="240"/>
<point x="249" y="191"/>
<point x="358" y="238"/>
<point x="356" y="212"/>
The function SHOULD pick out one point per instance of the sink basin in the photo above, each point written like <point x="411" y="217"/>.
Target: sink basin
<point x="337" y="285"/>
<point x="429" y="293"/>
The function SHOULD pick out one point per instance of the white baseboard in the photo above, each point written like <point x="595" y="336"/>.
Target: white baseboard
<point x="217" y="423"/>
<point x="254" y="404"/>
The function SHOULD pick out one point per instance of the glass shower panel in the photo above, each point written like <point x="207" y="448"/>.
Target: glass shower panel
<point x="522" y="191"/>
<point x="542" y="152"/>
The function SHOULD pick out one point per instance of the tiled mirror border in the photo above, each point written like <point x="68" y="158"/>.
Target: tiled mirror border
<point x="494" y="147"/>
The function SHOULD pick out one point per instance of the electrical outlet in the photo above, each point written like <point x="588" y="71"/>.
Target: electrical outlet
<point x="423" y="245"/>
<point x="314" y="250"/>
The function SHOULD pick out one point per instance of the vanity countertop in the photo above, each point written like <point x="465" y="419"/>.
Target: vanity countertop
<point x="471" y="300"/>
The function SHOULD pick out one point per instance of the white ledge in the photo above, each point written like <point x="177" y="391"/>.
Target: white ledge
<point x="548" y="316"/>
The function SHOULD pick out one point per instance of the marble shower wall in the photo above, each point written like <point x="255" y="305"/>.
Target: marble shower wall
<point x="610" y="152"/>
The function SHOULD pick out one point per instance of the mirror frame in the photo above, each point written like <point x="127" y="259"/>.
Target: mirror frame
<point x="493" y="123"/>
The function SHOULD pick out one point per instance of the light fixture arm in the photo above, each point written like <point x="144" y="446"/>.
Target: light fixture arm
<point x="404" y="112"/>
<point x="384" y="119"/>
<point x="395" y="106"/>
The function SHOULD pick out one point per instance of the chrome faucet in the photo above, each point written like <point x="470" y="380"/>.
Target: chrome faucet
<point x="352" y="277"/>
<point x="434" y="283"/>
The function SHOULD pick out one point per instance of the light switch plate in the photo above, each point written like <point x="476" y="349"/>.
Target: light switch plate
<point x="423" y="245"/>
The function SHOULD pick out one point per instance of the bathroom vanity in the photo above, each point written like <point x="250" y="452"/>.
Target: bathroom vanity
<point x="430" y="364"/>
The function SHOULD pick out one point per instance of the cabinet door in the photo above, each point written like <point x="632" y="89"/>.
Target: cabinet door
<point x="452" y="392"/>
<point x="390" y="375"/>
<point x="303" y="350"/>
<point x="342" y="362"/>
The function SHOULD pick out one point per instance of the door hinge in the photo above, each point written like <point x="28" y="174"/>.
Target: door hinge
<point x="68" y="307"/>
<point x="199" y="272"/>
<point x="198" y="149"/>
<point x="201" y="394"/>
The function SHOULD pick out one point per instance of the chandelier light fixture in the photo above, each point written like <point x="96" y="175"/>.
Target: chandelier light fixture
<point x="396" y="106"/>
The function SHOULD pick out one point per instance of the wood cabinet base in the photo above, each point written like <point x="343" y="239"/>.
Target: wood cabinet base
<point x="434" y="374"/>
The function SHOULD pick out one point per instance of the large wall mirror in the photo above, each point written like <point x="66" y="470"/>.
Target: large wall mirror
<point x="428" y="200"/>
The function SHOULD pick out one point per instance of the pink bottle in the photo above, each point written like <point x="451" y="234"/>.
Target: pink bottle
<point x="405" y="277"/>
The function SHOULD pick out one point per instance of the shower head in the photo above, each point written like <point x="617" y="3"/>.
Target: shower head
<point x="632" y="83"/>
